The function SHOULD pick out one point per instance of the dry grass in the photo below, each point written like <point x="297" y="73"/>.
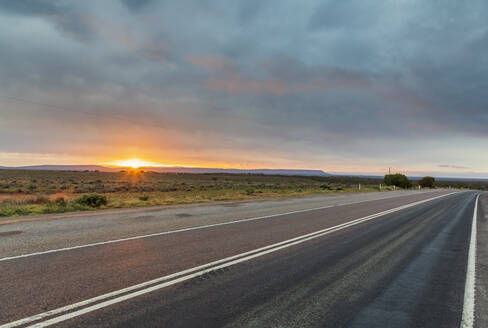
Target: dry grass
<point x="25" y="192"/>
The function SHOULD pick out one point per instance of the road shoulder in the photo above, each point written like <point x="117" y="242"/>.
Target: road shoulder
<point x="481" y="301"/>
<point x="229" y="203"/>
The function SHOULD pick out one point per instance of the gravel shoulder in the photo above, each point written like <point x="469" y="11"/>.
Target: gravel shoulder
<point x="481" y="301"/>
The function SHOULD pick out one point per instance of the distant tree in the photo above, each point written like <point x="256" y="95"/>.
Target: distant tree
<point x="399" y="180"/>
<point x="427" y="182"/>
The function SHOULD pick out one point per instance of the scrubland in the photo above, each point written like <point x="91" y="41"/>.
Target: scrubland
<point x="24" y="192"/>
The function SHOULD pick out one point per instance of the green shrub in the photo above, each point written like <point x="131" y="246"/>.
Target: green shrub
<point x="92" y="200"/>
<point x="54" y="208"/>
<point x="8" y="202"/>
<point x="60" y="201"/>
<point x="427" y="182"/>
<point x="399" y="180"/>
<point x="14" y="211"/>
<point x="144" y="197"/>
<point x="41" y="200"/>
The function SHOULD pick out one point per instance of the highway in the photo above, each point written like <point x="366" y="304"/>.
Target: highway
<point x="399" y="259"/>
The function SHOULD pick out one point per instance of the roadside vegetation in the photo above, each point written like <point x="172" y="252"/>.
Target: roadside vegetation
<point x="427" y="182"/>
<point x="25" y="192"/>
<point x="401" y="181"/>
<point x="397" y="180"/>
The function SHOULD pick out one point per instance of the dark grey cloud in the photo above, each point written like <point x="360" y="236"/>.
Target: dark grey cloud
<point x="66" y="17"/>
<point x="136" y="5"/>
<point x="333" y="80"/>
<point x="248" y="10"/>
<point x="346" y="14"/>
<point x="33" y="7"/>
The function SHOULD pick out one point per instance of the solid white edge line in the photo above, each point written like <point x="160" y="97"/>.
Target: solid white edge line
<point x="190" y="273"/>
<point x="189" y="229"/>
<point x="467" y="320"/>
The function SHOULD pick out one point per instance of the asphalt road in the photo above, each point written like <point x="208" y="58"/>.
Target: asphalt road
<point x="397" y="262"/>
<point x="54" y="231"/>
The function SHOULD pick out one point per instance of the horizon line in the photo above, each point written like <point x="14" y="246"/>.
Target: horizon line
<point x="334" y="173"/>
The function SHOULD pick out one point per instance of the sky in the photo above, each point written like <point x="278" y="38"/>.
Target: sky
<point x="343" y="86"/>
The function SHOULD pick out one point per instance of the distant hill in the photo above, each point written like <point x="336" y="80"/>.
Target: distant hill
<point x="63" y="168"/>
<point x="171" y="169"/>
<point x="236" y="171"/>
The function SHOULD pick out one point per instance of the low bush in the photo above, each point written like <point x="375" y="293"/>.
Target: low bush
<point x="427" y="182"/>
<point x="144" y="197"/>
<point x="8" y="202"/>
<point x="41" y="200"/>
<point x="92" y="200"/>
<point x="60" y="201"/>
<point x="54" y="208"/>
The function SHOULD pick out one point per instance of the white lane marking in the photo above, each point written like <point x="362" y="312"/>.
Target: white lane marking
<point x="467" y="320"/>
<point x="187" y="229"/>
<point x="191" y="273"/>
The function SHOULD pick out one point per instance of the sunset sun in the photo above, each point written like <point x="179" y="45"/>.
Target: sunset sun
<point x="134" y="163"/>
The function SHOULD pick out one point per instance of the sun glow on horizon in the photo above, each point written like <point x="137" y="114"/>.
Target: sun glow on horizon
<point x="134" y="163"/>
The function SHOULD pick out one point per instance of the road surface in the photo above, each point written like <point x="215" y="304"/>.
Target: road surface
<point x="384" y="260"/>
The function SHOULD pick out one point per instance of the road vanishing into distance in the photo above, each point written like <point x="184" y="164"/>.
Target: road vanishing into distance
<point x="391" y="259"/>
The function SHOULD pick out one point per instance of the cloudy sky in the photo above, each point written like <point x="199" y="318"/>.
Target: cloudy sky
<point x="343" y="86"/>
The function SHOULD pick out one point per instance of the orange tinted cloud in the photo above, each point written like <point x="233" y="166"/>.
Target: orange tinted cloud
<point x="234" y="82"/>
